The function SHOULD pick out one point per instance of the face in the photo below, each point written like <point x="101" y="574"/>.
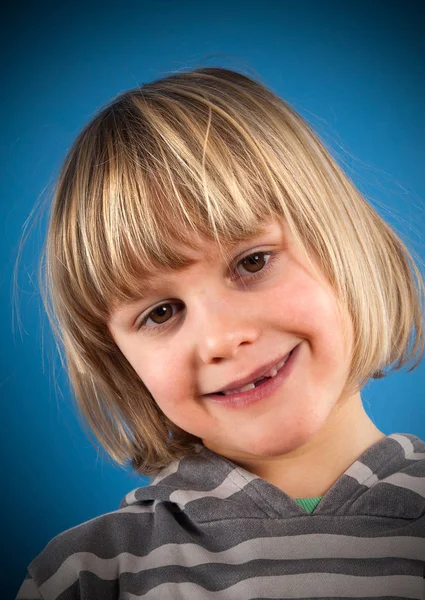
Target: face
<point x="201" y="329"/>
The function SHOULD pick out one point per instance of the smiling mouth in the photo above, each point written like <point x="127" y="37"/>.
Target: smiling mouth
<point x="250" y="386"/>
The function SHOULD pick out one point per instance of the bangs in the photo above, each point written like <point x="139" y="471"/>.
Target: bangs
<point x="146" y="186"/>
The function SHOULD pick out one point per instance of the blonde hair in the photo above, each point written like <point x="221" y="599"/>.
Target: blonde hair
<point x="216" y="153"/>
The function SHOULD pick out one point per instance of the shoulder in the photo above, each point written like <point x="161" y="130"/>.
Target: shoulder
<point x="92" y="549"/>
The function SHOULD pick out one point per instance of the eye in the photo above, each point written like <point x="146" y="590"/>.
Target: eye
<point x="160" y="315"/>
<point x="256" y="265"/>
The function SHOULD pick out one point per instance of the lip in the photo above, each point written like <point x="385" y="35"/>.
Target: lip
<point x="266" y="389"/>
<point x="238" y="383"/>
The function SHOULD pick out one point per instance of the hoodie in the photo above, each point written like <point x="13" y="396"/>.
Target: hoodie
<point x="207" y="529"/>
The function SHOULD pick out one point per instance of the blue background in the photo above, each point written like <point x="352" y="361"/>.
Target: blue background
<point x="355" y="71"/>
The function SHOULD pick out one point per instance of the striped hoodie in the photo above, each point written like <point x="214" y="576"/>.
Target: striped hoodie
<point x="206" y="529"/>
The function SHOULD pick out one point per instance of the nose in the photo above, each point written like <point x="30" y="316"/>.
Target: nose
<point x="223" y="330"/>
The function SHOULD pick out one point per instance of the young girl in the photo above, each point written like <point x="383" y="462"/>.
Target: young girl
<point x="222" y="293"/>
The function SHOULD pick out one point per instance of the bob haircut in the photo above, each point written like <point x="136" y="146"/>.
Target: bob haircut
<point x="210" y="152"/>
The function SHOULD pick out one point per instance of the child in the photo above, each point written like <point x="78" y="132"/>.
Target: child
<point x="205" y="195"/>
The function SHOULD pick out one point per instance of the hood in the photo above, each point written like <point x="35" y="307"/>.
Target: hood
<point x="387" y="480"/>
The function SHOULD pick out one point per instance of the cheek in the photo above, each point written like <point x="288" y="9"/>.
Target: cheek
<point x="163" y="373"/>
<point x="303" y="304"/>
<point x="312" y="311"/>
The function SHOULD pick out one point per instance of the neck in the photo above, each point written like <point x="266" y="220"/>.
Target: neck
<point x="312" y="469"/>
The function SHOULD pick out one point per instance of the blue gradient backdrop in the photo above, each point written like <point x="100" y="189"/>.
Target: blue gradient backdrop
<point x="355" y="71"/>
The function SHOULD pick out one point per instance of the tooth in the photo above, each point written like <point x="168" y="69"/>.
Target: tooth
<point x="249" y="386"/>
<point x="282" y="362"/>
<point x="272" y="373"/>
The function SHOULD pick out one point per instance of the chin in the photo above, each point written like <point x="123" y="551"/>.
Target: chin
<point x="283" y="443"/>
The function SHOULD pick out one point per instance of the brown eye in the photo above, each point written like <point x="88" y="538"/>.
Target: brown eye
<point x="254" y="262"/>
<point x="162" y="313"/>
<point x="160" y="316"/>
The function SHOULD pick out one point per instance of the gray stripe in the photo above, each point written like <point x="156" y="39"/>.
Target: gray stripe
<point x="301" y="547"/>
<point x="28" y="591"/>
<point x="311" y="585"/>
<point x="362" y="474"/>
<point x="406" y="444"/>
<point x="233" y="483"/>
<point x="131" y="497"/>
<point x="170" y="470"/>
<point x="402" y="480"/>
